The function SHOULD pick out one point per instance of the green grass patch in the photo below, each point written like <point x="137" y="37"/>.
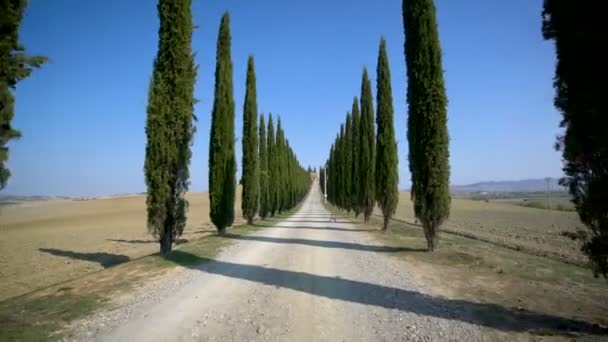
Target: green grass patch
<point x="37" y="318"/>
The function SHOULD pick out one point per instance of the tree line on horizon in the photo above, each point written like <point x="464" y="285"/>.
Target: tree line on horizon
<point x="573" y="26"/>
<point x="272" y="178"/>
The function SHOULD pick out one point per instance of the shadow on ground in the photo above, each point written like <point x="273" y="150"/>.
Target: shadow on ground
<point x="300" y="226"/>
<point x="483" y="314"/>
<point x="324" y="243"/>
<point x="313" y="221"/>
<point x="177" y="242"/>
<point x="104" y="259"/>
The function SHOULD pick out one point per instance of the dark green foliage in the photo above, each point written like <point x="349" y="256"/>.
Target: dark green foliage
<point x="15" y="65"/>
<point x="356" y="139"/>
<point x="348" y="163"/>
<point x="264" y="198"/>
<point x="349" y="170"/>
<point x="387" y="174"/>
<point x="366" y="149"/>
<point x="288" y="181"/>
<point x="341" y="172"/>
<point x="169" y="125"/>
<point x="272" y="168"/>
<point x="251" y="187"/>
<point x="576" y="28"/>
<point x="280" y="166"/>
<point x="222" y="163"/>
<point x="329" y="174"/>
<point x="322" y="179"/>
<point x="427" y="120"/>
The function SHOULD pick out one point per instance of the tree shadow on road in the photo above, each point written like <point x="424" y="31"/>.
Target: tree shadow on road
<point x="327" y="220"/>
<point x="177" y="242"/>
<point x="104" y="259"/>
<point x="324" y="243"/>
<point x="483" y="314"/>
<point x="300" y="226"/>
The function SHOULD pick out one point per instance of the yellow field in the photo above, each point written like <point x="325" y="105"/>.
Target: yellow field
<point x="530" y="229"/>
<point x="47" y="242"/>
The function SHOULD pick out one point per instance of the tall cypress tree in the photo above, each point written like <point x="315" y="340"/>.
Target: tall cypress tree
<point x="367" y="149"/>
<point x="387" y="174"/>
<point x="280" y="167"/>
<point x="272" y="171"/>
<point x="15" y="65"/>
<point x="251" y="184"/>
<point x="356" y="138"/>
<point x="222" y="160"/>
<point x="576" y="28"/>
<point x="264" y="205"/>
<point x="348" y="163"/>
<point x="341" y="169"/>
<point x="169" y="125"/>
<point x="427" y="121"/>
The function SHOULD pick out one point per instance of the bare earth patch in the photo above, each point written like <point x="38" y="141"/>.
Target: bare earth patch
<point x="54" y="241"/>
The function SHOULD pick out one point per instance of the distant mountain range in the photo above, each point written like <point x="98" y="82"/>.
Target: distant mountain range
<point x="524" y="185"/>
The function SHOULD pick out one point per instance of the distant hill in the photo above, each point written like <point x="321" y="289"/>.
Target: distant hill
<point x="524" y="185"/>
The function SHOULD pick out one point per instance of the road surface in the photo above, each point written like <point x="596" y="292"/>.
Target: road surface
<point x="305" y="279"/>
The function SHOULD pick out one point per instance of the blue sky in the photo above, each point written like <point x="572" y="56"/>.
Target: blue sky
<point x="82" y="115"/>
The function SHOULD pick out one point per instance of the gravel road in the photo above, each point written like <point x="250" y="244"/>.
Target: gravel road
<point x="305" y="279"/>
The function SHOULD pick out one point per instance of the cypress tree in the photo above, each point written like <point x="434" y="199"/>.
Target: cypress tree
<point x="341" y="169"/>
<point x="329" y="173"/>
<point x="576" y="28"/>
<point x="15" y="65"/>
<point x="169" y="125"/>
<point x="355" y="174"/>
<point x="348" y="163"/>
<point x="251" y="186"/>
<point x="367" y="149"/>
<point x="322" y="180"/>
<point x="264" y="205"/>
<point x="222" y="160"/>
<point x="272" y="171"/>
<point x="387" y="176"/>
<point x="280" y="167"/>
<point x="427" y="121"/>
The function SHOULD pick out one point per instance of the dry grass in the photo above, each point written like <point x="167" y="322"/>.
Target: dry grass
<point x="45" y="243"/>
<point x="533" y="230"/>
<point x="480" y="272"/>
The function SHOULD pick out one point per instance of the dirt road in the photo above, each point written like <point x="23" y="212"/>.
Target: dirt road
<point x="305" y="279"/>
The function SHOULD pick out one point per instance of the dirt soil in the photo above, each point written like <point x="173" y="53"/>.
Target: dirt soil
<point x="48" y="242"/>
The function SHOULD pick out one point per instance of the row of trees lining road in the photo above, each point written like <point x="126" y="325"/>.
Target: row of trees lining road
<point x="273" y="179"/>
<point x="576" y="27"/>
<point x="275" y="184"/>
<point x="362" y="169"/>
<point x="283" y="182"/>
<point x="15" y="65"/>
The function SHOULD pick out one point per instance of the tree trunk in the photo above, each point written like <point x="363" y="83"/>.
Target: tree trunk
<point x="432" y="238"/>
<point x="250" y="221"/>
<point x="165" y="242"/>
<point x="385" y="223"/>
<point x="221" y="231"/>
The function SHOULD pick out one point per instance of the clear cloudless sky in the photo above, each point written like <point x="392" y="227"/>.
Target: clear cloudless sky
<point x="83" y="114"/>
